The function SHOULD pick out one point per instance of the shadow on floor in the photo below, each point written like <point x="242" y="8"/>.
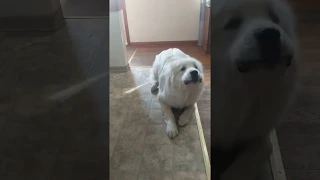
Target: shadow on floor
<point x="63" y="138"/>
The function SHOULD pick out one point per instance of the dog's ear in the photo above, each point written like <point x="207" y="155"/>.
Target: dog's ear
<point x="172" y="81"/>
<point x="162" y="81"/>
<point x="166" y="79"/>
<point x="200" y="66"/>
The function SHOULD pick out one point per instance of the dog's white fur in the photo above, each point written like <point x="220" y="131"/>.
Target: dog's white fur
<point x="169" y="79"/>
<point x="247" y="106"/>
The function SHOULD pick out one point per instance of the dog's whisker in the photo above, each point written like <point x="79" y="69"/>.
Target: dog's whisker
<point x="134" y="89"/>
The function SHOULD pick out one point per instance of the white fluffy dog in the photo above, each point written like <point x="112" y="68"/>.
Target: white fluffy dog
<point x="179" y="79"/>
<point x="254" y="77"/>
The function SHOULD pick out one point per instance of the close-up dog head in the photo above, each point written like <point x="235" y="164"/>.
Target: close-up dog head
<point x="187" y="72"/>
<point x="253" y="34"/>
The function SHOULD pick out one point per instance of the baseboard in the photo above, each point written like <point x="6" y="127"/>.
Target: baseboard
<point x="32" y="23"/>
<point x="120" y="69"/>
<point x="161" y="43"/>
<point x="277" y="166"/>
<point x="204" y="148"/>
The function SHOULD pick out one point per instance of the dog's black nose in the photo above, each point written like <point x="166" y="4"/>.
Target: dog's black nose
<point x="268" y="37"/>
<point x="269" y="40"/>
<point x="194" y="74"/>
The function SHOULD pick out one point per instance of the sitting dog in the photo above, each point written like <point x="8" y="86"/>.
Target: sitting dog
<point x="179" y="79"/>
<point x="254" y="80"/>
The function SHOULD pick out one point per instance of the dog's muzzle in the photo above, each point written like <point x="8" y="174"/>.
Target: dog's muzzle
<point x="195" y="78"/>
<point x="269" y="43"/>
<point x="245" y="66"/>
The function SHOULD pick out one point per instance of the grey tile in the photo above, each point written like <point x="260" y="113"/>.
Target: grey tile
<point x="187" y="135"/>
<point x="205" y="118"/>
<point x="189" y="175"/>
<point x="123" y="80"/>
<point x="156" y="175"/>
<point x="142" y="97"/>
<point x="300" y="158"/>
<point x="156" y="117"/>
<point x="81" y="8"/>
<point x="123" y="175"/>
<point x="32" y="165"/>
<point x="157" y="158"/>
<point x="144" y="88"/>
<point x="119" y="94"/>
<point x="88" y="162"/>
<point x="87" y="32"/>
<point x="3" y="120"/>
<point x="208" y="144"/>
<point x="6" y="99"/>
<point x="127" y="156"/>
<point x="114" y="132"/>
<point x="119" y="105"/>
<point x="193" y="120"/>
<point x="132" y="133"/>
<point x="306" y="114"/>
<point x="299" y="128"/>
<point x="38" y="132"/>
<point x="140" y="102"/>
<point x="101" y="57"/>
<point x="117" y="114"/>
<point x="156" y="134"/>
<point x="266" y="172"/>
<point x="291" y="141"/>
<point x="137" y="117"/>
<point x="188" y="157"/>
<point x="112" y="144"/>
<point x="299" y="174"/>
<point x="32" y="105"/>
<point x="84" y="149"/>
<point x="99" y="91"/>
<point x="29" y="151"/>
<point x="141" y="76"/>
<point x="118" y="110"/>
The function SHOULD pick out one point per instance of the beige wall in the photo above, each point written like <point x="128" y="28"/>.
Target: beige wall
<point x="28" y="7"/>
<point x="163" y="20"/>
<point x="118" y="57"/>
<point x="123" y="24"/>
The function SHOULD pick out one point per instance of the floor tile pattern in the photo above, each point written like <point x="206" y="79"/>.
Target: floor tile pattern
<point x="140" y="148"/>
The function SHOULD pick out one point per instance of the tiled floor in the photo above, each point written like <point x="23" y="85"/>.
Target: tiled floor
<point x="299" y="132"/>
<point x="143" y="56"/>
<point x="139" y="146"/>
<point x="145" y="59"/>
<point x="51" y="139"/>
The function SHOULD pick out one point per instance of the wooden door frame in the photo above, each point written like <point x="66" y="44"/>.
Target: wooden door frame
<point x="125" y="19"/>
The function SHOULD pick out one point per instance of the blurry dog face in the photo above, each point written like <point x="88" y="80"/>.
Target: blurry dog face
<point x="187" y="72"/>
<point x="253" y="34"/>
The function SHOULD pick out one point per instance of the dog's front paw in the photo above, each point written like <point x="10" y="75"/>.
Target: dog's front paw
<point x="183" y="120"/>
<point x="172" y="129"/>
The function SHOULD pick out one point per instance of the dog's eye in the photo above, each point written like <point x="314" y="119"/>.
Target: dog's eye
<point x="234" y="23"/>
<point x="274" y="17"/>
<point x="195" y="66"/>
<point x="183" y="69"/>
